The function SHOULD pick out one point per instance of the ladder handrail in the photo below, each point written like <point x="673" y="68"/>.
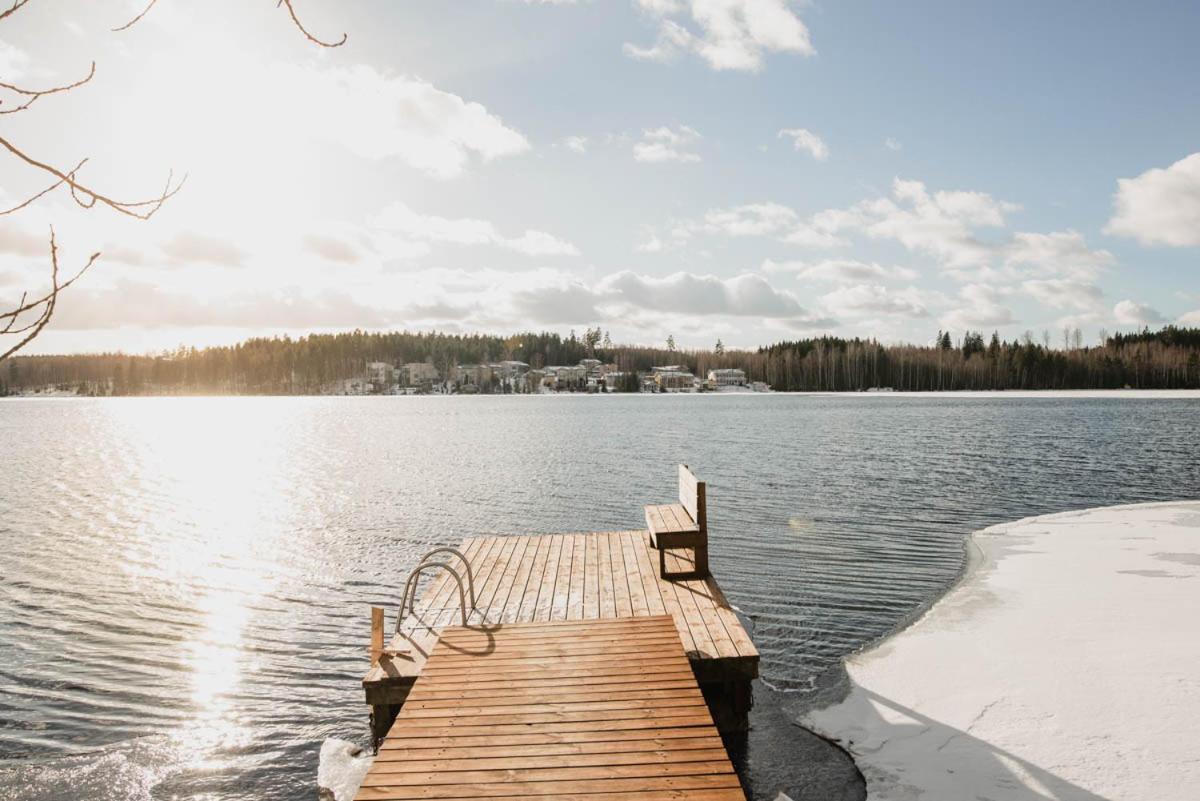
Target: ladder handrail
<point x="462" y="557"/>
<point x="409" y="600"/>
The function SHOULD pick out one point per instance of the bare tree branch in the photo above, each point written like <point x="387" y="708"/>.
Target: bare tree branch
<point x="16" y="6"/>
<point x="45" y="191"/>
<point x="141" y="209"/>
<point x="34" y="95"/>
<point x="304" y="30"/>
<point x="48" y="302"/>
<point x="133" y="21"/>
<point x="280" y="3"/>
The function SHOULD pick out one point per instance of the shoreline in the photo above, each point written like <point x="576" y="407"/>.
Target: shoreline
<point x="965" y="394"/>
<point x="1016" y="682"/>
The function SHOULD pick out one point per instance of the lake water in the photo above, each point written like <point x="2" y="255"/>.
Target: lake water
<point x="184" y="583"/>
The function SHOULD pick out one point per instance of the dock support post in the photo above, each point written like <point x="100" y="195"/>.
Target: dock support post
<point x="729" y="701"/>
<point x="376" y="634"/>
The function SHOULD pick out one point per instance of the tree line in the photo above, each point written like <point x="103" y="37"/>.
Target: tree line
<point x="1165" y="359"/>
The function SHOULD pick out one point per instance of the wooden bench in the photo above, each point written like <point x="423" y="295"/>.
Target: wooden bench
<point x="681" y="525"/>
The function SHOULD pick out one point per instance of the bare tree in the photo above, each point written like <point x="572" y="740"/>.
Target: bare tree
<point x="20" y="324"/>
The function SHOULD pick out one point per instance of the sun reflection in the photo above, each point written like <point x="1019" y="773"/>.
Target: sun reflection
<point x="214" y="468"/>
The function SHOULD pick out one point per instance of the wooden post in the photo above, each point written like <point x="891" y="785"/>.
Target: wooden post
<point x="376" y="633"/>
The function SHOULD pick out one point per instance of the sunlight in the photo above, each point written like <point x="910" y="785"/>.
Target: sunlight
<point x="213" y="466"/>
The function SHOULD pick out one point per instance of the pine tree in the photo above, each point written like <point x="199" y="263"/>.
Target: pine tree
<point x="719" y="349"/>
<point x="671" y="342"/>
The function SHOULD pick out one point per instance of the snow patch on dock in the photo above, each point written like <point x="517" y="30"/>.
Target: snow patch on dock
<point x="341" y="769"/>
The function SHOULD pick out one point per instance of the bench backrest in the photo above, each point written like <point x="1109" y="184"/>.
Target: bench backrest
<point x="691" y="497"/>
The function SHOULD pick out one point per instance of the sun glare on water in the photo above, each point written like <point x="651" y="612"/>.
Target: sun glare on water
<point x="213" y="467"/>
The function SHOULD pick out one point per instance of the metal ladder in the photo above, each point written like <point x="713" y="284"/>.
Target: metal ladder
<point x="409" y="599"/>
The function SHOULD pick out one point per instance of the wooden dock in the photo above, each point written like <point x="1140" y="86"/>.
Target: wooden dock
<point x="592" y="708"/>
<point x="576" y="577"/>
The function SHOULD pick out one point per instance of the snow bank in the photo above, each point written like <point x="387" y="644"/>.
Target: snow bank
<point x="341" y="769"/>
<point x="1065" y="665"/>
<point x="1039" y="394"/>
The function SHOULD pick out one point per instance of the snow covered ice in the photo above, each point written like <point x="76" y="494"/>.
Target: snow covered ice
<point x="1065" y="665"/>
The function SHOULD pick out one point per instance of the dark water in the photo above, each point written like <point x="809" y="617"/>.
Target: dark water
<point x="184" y="583"/>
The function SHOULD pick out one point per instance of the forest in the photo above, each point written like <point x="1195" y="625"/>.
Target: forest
<point x="1165" y="359"/>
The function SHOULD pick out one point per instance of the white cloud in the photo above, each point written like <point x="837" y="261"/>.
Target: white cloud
<point x="397" y="218"/>
<point x="380" y="116"/>
<point x="1191" y="318"/>
<point x="752" y="219"/>
<point x="1063" y="252"/>
<point x="141" y="305"/>
<point x="332" y="248"/>
<point x="1063" y="293"/>
<point x="804" y="139"/>
<point x="858" y="299"/>
<point x="667" y="144"/>
<point x="190" y="247"/>
<point x="13" y="61"/>
<point x="892" y="144"/>
<point x="578" y="144"/>
<point x="20" y="242"/>
<point x="728" y="34"/>
<point x="1160" y="206"/>
<point x="841" y="271"/>
<point x="688" y="293"/>
<point x="652" y="244"/>
<point x="980" y="307"/>
<point x="1127" y="312"/>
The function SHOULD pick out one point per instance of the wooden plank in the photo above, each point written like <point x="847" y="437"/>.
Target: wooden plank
<point x="380" y="788"/>
<point x="591" y="578"/>
<point x="691" y="495"/>
<point x="527" y="607"/>
<point x="642" y="735"/>
<point x="448" y="748"/>
<point x="578" y="558"/>
<point x="606" y="706"/>
<point x="659" y="592"/>
<point x="651" y="795"/>
<point x="641" y="756"/>
<point x="510" y="605"/>
<point x="545" y="600"/>
<point x="630" y="545"/>
<point x="505" y="730"/>
<point x="562" y="582"/>
<point x="622" y="605"/>
<point x="556" y="773"/>
<point x="498" y="596"/>
<point x="685" y="597"/>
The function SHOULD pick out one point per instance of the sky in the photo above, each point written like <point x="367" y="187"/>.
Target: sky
<point x="743" y="170"/>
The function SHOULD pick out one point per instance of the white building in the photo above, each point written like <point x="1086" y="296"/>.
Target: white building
<point x="674" y="380"/>
<point x="727" y="377"/>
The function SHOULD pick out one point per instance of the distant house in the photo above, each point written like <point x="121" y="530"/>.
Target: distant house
<point x="567" y="378"/>
<point x="381" y="376"/>
<point x="727" y="377"/>
<point x="419" y="376"/>
<point x="477" y="376"/>
<point x="675" y="380"/>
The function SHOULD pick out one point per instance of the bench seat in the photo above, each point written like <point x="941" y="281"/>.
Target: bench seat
<point x="671" y="526"/>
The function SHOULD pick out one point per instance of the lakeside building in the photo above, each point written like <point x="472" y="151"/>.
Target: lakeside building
<point x="472" y="377"/>
<point x="565" y="378"/>
<point x="381" y="376"/>
<point x="512" y="376"/>
<point x="674" y="378"/>
<point x="727" y="377"/>
<point x="417" y="378"/>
